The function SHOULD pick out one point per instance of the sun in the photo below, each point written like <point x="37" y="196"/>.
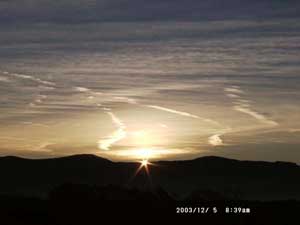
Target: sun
<point x="144" y="163"/>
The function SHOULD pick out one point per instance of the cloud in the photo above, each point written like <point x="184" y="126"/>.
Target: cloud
<point x="38" y="100"/>
<point x="215" y="140"/>
<point x="29" y="123"/>
<point x="235" y="90"/>
<point x="173" y="111"/>
<point x="32" y="78"/>
<point x="211" y="121"/>
<point x="126" y="99"/>
<point x="116" y="120"/>
<point x="244" y="106"/>
<point x="163" y="125"/>
<point x="119" y="134"/>
<point x="46" y="88"/>
<point x="44" y="147"/>
<point x="294" y="130"/>
<point x="181" y="113"/>
<point x="25" y="77"/>
<point x="232" y="96"/>
<point x="4" y="79"/>
<point x="82" y="89"/>
<point x="255" y="115"/>
<point x="133" y="10"/>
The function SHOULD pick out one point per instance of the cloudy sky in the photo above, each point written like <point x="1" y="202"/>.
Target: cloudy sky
<point x="154" y="79"/>
<point x="76" y="11"/>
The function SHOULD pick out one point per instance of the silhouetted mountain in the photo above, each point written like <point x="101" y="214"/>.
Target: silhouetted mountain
<point x="221" y="177"/>
<point x="80" y="192"/>
<point x="71" y="204"/>
<point x="86" y="189"/>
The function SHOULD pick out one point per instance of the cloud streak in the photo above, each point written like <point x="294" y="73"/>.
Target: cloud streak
<point x="174" y="111"/>
<point x="82" y="89"/>
<point x="125" y="99"/>
<point x="255" y="115"/>
<point x="234" y="89"/>
<point x="118" y="135"/>
<point x="4" y="79"/>
<point x="32" y="78"/>
<point x="181" y="113"/>
<point x="244" y="106"/>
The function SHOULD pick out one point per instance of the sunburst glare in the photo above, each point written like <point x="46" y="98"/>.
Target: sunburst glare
<point x="144" y="162"/>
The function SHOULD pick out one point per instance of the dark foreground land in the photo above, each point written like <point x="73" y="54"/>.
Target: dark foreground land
<point x="86" y="189"/>
<point x="81" y="204"/>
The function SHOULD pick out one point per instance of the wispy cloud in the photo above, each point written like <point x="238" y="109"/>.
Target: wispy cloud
<point x="232" y="96"/>
<point x="163" y="125"/>
<point x="215" y="140"/>
<point x="116" y="136"/>
<point x="234" y="89"/>
<point x="244" y="106"/>
<point x="186" y="114"/>
<point x="4" y="79"/>
<point x="44" y="147"/>
<point x="294" y="130"/>
<point x="82" y="89"/>
<point x="38" y="100"/>
<point x="29" y="123"/>
<point x="255" y="115"/>
<point x="32" y="78"/>
<point x="125" y="99"/>
<point x="174" y="111"/>
<point x="45" y="88"/>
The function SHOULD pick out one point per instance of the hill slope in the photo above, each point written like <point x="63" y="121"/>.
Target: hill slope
<point x="232" y="178"/>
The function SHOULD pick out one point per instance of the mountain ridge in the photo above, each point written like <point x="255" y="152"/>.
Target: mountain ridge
<point x="256" y="180"/>
<point x="93" y="156"/>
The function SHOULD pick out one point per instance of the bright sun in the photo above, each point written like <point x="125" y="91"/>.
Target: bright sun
<point x="144" y="163"/>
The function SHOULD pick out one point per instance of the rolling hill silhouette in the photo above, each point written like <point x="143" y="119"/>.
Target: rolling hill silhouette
<point x="199" y="178"/>
<point x="86" y="189"/>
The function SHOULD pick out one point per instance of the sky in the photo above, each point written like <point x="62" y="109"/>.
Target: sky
<point x="81" y="11"/>
<point x="162" y="80"/>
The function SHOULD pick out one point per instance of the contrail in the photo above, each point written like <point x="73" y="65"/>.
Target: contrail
<point x="32" y="78"/>
<point x="255" y="115"/>
<point x="116" y="136"/>
<point x="183" y="114"/>
<point x="244" y="106"/>
<point x="174" y="111"/>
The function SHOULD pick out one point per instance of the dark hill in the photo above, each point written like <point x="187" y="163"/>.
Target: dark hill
<point x="229" y="178"/>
